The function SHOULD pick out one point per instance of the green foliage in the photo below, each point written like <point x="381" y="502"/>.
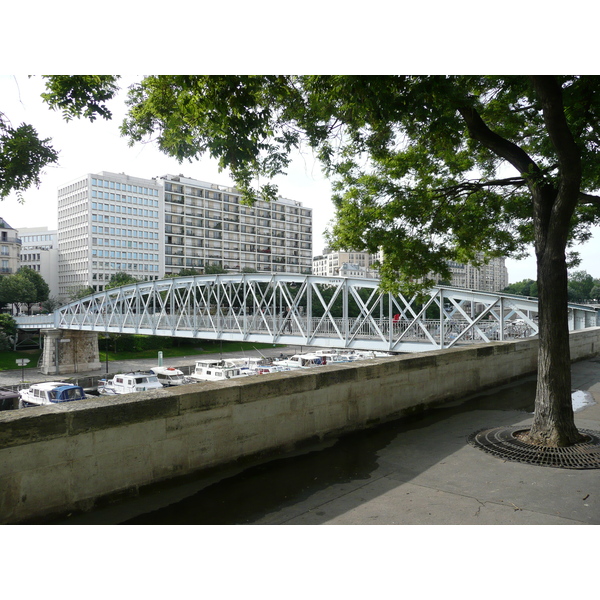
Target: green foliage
<point x="403" y="152"/>
<point x="133" y="343"/>
<point x="23" y="156"/>
<point x="185" y="273"/>
<point x="81" y="292"/>
<point x="581" y="286"/>
<point x="51" y="304"/>
<point x="526" y="287"/>
<point x="81" y="95"/>
<point x="119" y="279"/>
<point x="7" y="324"/>
<point x="16" y="289"/>
<point x="42" y="290"/>
<point x="8" y="329"/>
<point x="214" y="270"/>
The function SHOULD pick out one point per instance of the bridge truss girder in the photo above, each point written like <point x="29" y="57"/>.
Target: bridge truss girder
<point x="307" y="310"/>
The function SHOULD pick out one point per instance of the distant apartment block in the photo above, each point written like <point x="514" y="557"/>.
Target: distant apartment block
<point x="10" y="249"/>
<point x="39" y="251"/>
<point x="150" y="228"/>
<point x="345" y="264"/>
<point x="492" y="277"/>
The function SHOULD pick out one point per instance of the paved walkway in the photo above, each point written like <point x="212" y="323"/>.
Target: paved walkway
<point x="419" y="474"/>
<point x="429" y="475"/>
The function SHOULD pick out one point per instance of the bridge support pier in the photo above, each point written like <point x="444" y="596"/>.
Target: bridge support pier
<point x="69" y="351"/>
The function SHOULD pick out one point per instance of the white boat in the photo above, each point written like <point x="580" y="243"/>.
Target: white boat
<point x="127" y="383"/>
<point x="169" y="376"/>
<point x="215" y="370"/>
<point x="300" y="361"/>
<point x="256" y="365"/>
<point x="333" y="356"/>
<point x="50" y="392"/>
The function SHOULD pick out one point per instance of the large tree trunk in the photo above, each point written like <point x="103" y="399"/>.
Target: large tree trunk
<point x="553" y="421"/>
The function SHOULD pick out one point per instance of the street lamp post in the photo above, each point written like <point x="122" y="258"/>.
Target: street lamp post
<point x="22" y="362"/>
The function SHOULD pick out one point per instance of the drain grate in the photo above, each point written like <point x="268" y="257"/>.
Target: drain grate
<point x="502" y="443"/>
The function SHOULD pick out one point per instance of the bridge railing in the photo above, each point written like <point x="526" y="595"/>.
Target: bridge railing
<point x="376" y="328"/>
<point x="311" y="310"/>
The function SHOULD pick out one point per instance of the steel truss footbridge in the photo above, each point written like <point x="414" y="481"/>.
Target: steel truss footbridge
<point x="330" y="312"/>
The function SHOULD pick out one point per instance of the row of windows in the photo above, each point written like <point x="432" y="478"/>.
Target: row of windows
<point x="125" y="267"/>
<point x="122" y="232"/>
<point x="119" y="254"/>
<point x="37" y="238"/>
<point x="128" y="210"/>
<point x="125" y="187"/>
<point x="124" y="243"/>
<point x="130" y="222"/>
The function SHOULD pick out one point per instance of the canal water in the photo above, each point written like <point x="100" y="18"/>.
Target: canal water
<point x="245" y="496"/>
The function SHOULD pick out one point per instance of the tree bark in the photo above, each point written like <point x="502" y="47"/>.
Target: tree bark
<point x="553" y="421"/>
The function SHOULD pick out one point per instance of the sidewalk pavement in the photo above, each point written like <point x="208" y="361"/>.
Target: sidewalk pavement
<point x="431" y="475"/>
<point x="423" y="472"/>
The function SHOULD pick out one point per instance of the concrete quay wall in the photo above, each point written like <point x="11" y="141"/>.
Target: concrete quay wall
<point x="77" y="456"/>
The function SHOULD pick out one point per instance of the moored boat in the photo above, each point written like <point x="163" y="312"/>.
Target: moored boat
<point x="128" y="383"/>
<point x="215" y="370"/>
<point x="50" y="392"/>
<point x="169" y="376"/>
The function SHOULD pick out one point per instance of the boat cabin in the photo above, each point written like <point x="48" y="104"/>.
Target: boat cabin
<point x="50" y="392"/>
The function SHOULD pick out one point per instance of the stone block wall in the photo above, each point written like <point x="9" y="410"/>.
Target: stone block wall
<point x="65" y="458"/>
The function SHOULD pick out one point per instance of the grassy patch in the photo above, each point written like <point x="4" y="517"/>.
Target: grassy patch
<point x="206" y="347"/>
<point x="8" y="358"/>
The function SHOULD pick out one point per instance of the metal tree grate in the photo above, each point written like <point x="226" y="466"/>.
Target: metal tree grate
<point x="502" y="443"/>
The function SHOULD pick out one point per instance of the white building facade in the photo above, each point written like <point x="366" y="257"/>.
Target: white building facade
<point x="152" y="228"/>
<point x="346" y="264"/>
<point x="108" y="223"/>
<point x="39" y="251"/>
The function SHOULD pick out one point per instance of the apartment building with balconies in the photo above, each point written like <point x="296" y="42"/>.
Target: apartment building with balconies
<point x="152" y="228"/>
<point x="10" y="249"/>
<point x="208" y="225"/>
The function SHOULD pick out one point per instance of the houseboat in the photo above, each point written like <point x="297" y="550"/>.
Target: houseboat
<point x="128" y="383"/>
<point x="215" y="370"/>
<point x="50" y="392"/>
<point x="169" y="376"/>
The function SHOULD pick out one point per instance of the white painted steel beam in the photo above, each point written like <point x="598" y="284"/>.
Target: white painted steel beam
<point x="335" y="312"/>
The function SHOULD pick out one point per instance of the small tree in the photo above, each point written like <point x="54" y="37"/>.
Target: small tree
<point x="51" y="304"/>
<point x="42" y="290"/>
<point x="8" y="331"/>
<point x="81" y="292"/>
<point x="17" y="289"/>
<point x="119" y="279"/>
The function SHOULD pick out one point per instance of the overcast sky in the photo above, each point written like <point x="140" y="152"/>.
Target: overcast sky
<point x="93" y="147"/>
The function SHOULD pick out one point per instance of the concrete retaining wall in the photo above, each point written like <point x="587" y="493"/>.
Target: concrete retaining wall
<point x="72" y="457"/>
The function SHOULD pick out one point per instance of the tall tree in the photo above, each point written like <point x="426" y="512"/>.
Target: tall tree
<point x="431" y="169"/>
<point x="23" y="155"/>
<point x="42" y="290"/>
<point x="17" y="289"/>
